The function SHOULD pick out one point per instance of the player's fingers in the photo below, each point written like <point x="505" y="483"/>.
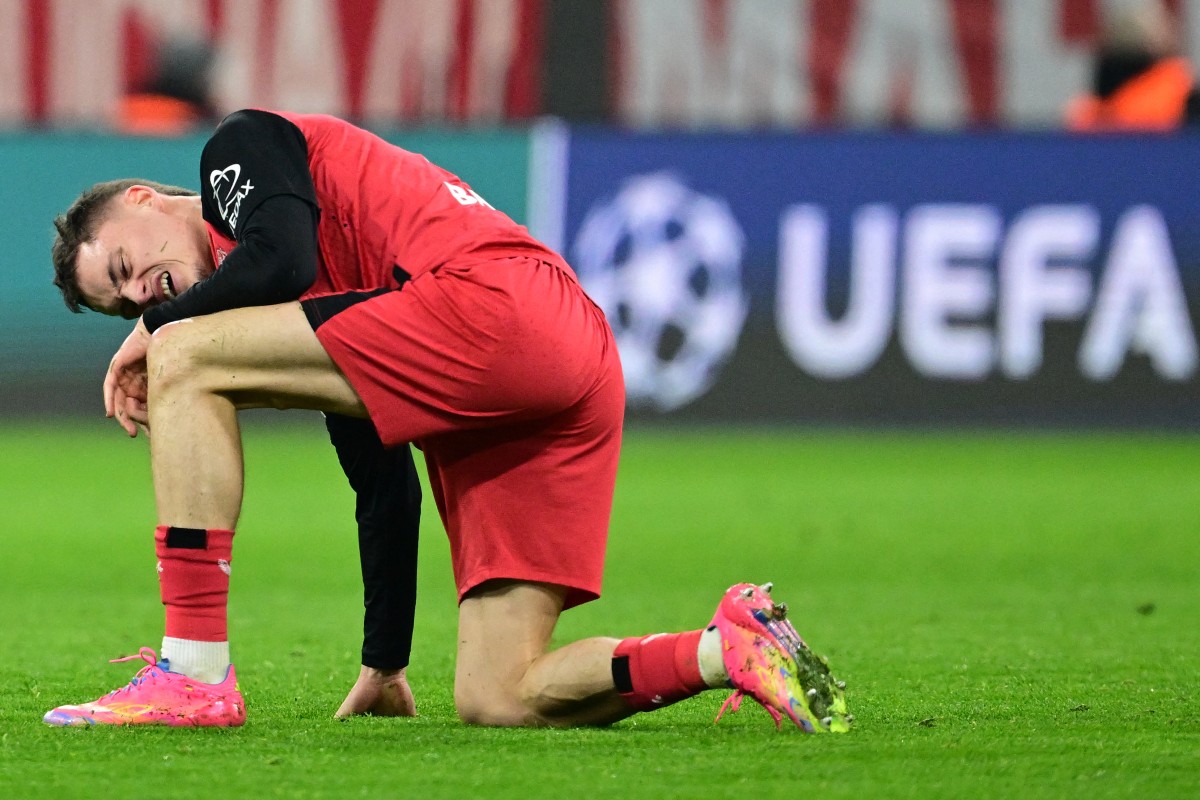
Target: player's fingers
<point x="135" y="410"/>
<point x="139" y="387"/>
<point x="126" y="425"/>
<point x="127" y="421"/>
<point x="110" y="387"/>
<point x="121" y="413"/>
<point x="130" y="385"/>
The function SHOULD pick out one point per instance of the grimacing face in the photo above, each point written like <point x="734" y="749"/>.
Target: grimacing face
<point x="149" y="249"/>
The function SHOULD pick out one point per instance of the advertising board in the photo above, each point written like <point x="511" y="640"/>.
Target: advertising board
<point x="891" y="277"/>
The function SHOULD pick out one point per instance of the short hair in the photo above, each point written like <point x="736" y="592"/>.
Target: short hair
<point x="78" y="225"/>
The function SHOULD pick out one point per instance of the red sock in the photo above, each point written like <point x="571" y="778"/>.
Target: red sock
<point x="654" y="671"/>
<point x="193" y="578"/>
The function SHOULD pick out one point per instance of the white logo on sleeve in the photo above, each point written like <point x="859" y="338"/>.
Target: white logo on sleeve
<point x="465" y="196"/>
<point x="227" y="194"/>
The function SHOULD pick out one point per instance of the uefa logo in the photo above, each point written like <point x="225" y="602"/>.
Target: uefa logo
<point x="665" y="264"/>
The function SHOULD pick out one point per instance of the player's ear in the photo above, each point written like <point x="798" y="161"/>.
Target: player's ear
<point x="138" y="195"/>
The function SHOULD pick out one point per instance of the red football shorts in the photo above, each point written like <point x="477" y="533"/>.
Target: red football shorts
<point x="506" y="375"/>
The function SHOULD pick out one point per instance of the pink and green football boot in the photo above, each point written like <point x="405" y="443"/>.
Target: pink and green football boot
<point x="157" y="696"/>
<point x="767" y="660"/>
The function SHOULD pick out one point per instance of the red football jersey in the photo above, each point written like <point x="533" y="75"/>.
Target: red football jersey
<point x="384" y="207"/>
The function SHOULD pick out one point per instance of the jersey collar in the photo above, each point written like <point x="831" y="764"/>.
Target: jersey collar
<point x="221" y="245"/>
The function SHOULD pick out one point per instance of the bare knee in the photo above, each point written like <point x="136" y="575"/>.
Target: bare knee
<point x="531" y="702"/>
<point x="176" y="358"/>
<point x="494" y="708"/>
<point x="504" y="627"/>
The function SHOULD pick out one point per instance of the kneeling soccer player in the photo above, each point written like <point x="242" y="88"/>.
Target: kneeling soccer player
<point x="445" y="324"/>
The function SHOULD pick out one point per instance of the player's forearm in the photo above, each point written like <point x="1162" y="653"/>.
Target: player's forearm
<point x="388" y="511"/>
<point x="275" y="261"/>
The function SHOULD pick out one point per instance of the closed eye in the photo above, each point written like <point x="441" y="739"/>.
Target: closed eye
<point x="125" y="307"/>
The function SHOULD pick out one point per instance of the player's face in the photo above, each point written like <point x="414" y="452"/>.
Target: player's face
<point x="143" y="254"/>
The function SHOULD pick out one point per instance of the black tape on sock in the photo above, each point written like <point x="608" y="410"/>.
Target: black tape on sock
<point x="187" y="538"/>
<point x="621" y="676"/>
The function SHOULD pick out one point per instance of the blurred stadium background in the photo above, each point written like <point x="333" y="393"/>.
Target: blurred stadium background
<point x="814" y="211"/>
<point x="806" y="215"/>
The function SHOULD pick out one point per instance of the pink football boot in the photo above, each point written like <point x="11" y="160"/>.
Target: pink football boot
<point x="767" y="660"/>
<point x="157" y="696"/>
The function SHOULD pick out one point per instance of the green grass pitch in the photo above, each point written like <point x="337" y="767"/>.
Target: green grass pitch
<point x="1016" y="616"/>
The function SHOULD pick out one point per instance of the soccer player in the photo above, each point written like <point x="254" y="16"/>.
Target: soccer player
<point x="441" y="321"/>
<point x="387" y="497"/>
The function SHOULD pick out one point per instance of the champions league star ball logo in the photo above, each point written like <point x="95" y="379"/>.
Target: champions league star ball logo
<point x="664" y="262"/>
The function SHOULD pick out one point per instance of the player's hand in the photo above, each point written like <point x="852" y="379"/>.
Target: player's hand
<point x="137" y="411"/>
<point x="125" y="385"/>
<point x="381" y="693"/>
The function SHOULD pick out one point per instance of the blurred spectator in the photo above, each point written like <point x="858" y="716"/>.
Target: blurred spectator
<point x="177" y="98"/>
<point x="1139" y="80"/>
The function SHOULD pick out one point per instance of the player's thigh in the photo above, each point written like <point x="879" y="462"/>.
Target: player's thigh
<point x="503" y="626"/>
<point x="258" y="356"/>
